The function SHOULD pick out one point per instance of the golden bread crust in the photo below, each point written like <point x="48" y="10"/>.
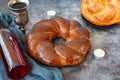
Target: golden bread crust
<point x="101" y="12"/>
<point x="40" y="42"/>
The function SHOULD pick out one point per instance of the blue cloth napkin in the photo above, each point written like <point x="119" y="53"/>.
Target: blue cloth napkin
<point x="39" y="71"/>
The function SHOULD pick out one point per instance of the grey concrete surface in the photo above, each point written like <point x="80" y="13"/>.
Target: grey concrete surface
<point x="108" y="39"/>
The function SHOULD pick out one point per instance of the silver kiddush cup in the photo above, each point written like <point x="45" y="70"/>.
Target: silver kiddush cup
<point x="19" y="11"/>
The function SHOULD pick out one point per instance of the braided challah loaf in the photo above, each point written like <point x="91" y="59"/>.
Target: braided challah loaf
<point x="73" y="51"/>
<point x="101" y="12"/>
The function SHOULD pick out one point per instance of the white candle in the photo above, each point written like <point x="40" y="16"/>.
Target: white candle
<point x="51" y="13"/>
<point x="99" y="53"/>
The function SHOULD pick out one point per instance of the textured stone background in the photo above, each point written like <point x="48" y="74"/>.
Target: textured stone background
<point x="107" y="39"/>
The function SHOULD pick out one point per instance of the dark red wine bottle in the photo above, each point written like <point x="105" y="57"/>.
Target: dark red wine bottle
<point x="13" y="57"/>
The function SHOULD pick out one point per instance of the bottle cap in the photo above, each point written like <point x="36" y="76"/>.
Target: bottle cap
<point x="99" y="53"/>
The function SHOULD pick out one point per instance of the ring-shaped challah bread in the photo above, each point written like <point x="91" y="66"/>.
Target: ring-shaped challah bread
<point x="73" y="51"/>
<point x="101" y="12"/>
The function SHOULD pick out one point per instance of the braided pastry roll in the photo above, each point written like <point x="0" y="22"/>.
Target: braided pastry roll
<point x="101" y="12"/>
<point x="73" y="51"/>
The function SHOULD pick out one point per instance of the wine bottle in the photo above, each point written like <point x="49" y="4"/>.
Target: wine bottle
<point x="12" y="55"/>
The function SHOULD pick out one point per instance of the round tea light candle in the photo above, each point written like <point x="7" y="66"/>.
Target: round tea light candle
<point x="51" y="12"/>
<point x="99" y="53"/>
